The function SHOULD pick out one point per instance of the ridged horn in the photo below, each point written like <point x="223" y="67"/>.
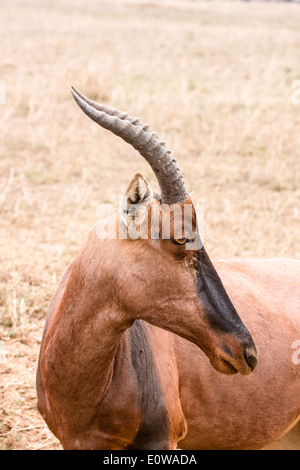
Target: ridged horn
<point x="148" y="144"/>
<point x="114" y="112"/>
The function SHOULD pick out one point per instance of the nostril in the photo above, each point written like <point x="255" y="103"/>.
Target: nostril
<point x="251" y="358"/>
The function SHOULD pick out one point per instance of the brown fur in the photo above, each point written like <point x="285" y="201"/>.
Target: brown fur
<point x="92" y="390"/>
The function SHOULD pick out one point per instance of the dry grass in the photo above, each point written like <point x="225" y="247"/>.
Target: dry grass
<point x="214" y="79"/>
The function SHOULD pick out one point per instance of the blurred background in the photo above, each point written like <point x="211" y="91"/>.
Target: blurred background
<point x="216" y="79"/>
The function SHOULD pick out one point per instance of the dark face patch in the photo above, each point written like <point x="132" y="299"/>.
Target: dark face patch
<point x="216" y="303"/>
<point x="153" y="432"/>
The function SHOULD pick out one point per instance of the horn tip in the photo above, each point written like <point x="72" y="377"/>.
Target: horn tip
<point x="74" y="91"/>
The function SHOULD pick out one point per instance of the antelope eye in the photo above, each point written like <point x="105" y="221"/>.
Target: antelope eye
<point x="179" y="241"/>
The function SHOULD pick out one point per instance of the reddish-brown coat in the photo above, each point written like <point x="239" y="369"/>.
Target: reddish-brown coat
<point x="88" y="390"/>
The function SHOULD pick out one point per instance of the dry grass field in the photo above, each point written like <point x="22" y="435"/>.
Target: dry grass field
<point x="213" y="78"/>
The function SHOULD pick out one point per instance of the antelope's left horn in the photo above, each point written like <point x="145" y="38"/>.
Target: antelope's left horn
<point x="139" y="135"/>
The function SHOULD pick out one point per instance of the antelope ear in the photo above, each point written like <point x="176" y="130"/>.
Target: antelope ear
<point x="138" y="192"/>
<point x="134" y="207"/>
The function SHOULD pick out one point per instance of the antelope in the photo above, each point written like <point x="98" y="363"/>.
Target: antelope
<point x="147" y="343"/>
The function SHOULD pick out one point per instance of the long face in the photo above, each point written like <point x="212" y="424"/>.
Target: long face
<point x="157" y="265"/>
<point x="164" y="276"/>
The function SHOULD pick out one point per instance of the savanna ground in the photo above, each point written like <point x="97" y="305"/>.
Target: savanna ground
<point x="213" y="78"/>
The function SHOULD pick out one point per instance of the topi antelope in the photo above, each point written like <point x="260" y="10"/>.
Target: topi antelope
<point x="140" y="328"/>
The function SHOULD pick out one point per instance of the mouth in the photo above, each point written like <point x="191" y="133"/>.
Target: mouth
<point x="223" y="366"/>
<point x="230" y="365"/>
